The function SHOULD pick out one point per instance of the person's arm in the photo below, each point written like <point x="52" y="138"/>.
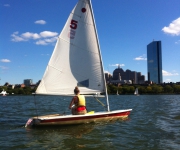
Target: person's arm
<point x="72" y="102"/>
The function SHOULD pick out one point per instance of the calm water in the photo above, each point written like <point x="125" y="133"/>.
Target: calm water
<point x="154" y="124"/>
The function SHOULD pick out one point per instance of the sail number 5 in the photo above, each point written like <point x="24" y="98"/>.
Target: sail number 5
<point x="73" y="24"/>
<point x="73" y="27"/>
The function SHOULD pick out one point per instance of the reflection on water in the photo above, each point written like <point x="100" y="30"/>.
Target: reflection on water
<point x="77" y="136"/>
<point x="49" y="137"/>
<point x="76" y="131"/>
<point x="71" y="130"/>
<point x="153" y="124"/>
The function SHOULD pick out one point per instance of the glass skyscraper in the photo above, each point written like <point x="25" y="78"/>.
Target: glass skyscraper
<point x="154" y="62"/>
<point x="28" y="82"/>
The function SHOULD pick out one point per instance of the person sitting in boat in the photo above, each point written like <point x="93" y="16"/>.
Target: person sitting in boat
<point x="78" y="103"/>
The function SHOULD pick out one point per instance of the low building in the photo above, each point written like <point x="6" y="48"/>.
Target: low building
<point x="125" y="77"/>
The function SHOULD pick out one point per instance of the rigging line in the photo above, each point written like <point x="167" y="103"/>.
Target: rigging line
<point x="35" y="105"/>
<point x="99" y="101"/>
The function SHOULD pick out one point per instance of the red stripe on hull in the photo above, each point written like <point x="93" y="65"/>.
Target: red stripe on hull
<point x="83" y="118"/>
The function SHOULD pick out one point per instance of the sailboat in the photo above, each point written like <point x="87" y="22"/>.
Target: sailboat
<point x="76" y="61"/>
<point x="4" y="93"/>
<point x="136" y="92"/>
<point x="117" y="93"/>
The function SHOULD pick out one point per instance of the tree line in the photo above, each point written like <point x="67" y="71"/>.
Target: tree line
<point x="144" y="89"/>
<point x="18" y="91"/>
<point x="112" y="89"/>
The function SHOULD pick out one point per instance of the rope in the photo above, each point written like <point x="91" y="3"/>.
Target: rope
<point x="99" y="101"/>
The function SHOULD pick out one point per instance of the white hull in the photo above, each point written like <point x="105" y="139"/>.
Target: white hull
<point x="59" y="119"/>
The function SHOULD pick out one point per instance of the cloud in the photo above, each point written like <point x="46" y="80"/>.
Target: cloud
<point x="24" y="36"/>
<point x="16" y="37"/>
<point x="116" y="65"/>
<point x="50" y="40"/>
<point x="107" y="72"/>
<point x="3" y="67"/>
<point x="168" y="80"/>
<point x="178" y="42"/>
<point x="165" y="73"/>
<point x="6" y="5"/>
<point x="173" y="28"/>
<point x="29" y="35"/>
<point x="5" y="60"/>
<point x="44" y="54"/>
<point x="48" y="34"/>
<point x="141" y="57"/>
<point x="44" y="38"/>
<point x="46" y="41"/>
<point x="40" y="22"/>
<point x="41" y="42"/>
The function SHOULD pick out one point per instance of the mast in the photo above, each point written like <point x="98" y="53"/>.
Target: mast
<point x="107" y="100"/>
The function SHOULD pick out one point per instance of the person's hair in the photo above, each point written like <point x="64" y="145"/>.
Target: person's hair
<point x="76" y="90"/>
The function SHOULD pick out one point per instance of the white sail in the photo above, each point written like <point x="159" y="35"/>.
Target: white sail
<point x="117" y="93"/>
<point x="76" y="59"/>
<point x="3" y="93"/>
<point x="136" y="91"/>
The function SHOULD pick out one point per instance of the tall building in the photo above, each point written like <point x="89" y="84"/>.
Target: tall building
<point x="28" y="82"/>
<point x="108" y="77"/>
<point x="154" y="62"/>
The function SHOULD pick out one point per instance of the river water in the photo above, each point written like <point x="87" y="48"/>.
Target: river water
<point x="154" y="124"/>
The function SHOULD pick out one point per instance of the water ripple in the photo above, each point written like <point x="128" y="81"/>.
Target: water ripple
<point x="153" y="124"/>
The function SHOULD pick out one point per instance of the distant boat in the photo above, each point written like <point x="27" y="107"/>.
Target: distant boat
<point x="136" y="92"/>
<point x="76" y="61"/>
<point x="117" y="93"/>
<point x="3" y="93"/>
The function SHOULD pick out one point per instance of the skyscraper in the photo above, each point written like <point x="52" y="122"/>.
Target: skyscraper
<point x="28" y="82"/>
<point x="154" y="62"/>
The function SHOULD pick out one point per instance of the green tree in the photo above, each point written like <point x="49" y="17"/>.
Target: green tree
<point x="149" y="89"/>
<point x="157" y="89"/>
<point x="120" y="90"/>
<point x="15" y="91"/>
<point x="27" y="90"/>
<point x="176" y="88"/>
<point x="131" y="89"/>
<point x="21" y="91"/>
<point x="142" y="90"/>
<point x="3" y="87"/>
<point x="126" y="89"/>
<point x="112" y="89"/>
<point x="168" y="89"/>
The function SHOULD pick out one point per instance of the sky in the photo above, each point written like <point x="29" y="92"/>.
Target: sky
<point x="29" y="29"/>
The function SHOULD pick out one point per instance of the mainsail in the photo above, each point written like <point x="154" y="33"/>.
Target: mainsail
<point x="76" y="59"/>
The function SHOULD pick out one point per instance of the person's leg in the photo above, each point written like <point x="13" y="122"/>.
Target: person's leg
<point x="83" y="112"/>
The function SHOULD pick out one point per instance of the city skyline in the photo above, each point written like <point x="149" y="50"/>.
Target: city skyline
<point x="29" y="35"/>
